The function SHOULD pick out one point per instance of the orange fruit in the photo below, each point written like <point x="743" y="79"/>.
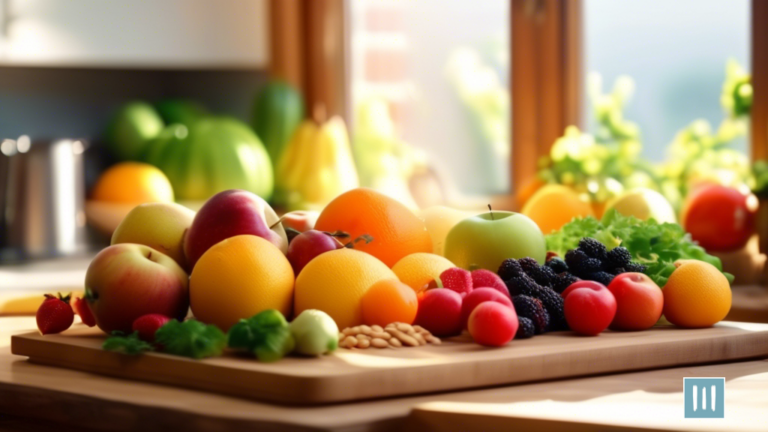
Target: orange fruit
<point x="529" y="188"/>
<point x="418" y="269"/>
<point x="396" y="231"/>
<point x="336" y="281"/>
<point x="553" y="206"/>
<point x="132" y="182"/>
<point x="238" y="278"/>
<point x="389" y="301"/>
<point x="696" y="295"/>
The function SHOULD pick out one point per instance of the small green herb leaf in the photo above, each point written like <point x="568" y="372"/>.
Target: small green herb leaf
<point x="191" y="338"/>
<point x="266" y="335"/>
<point x="127" y="344"/>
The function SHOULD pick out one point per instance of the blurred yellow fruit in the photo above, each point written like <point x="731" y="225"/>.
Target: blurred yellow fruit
<point x="553" y="206"/>
<point x="439" y="220"/>
<point x="418" y="269"/>
<point x="643" y="204"/>
<point x="696" y="295"/>
<point x="335" y="283"/>
<point x="133" y="182"/>
<point x="238" y="278"/>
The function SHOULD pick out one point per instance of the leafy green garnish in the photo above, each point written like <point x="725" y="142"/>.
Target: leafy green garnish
<point x="127" y="344"/>
<point x="654" y="245"/>
<point x="266" y="335"/>
<point x="191" y="338"/>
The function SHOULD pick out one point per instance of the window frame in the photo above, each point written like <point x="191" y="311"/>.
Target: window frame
<point x="309" y="49"/>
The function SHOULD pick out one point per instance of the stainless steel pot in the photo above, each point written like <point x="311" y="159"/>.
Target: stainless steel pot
<point x="42" y="191"/>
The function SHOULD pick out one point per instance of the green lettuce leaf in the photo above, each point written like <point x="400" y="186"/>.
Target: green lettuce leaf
<point x="191" y="338"/>
<point x="656" y="246"/>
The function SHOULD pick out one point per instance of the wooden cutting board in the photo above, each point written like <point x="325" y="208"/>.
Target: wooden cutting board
<point x="365" y="374"/>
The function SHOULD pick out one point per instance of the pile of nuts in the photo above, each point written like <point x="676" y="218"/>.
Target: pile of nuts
<point x="393" y="335"/>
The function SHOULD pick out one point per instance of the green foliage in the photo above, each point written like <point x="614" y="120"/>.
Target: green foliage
<point x="127" y="344"/>
<point x="656" y="246"/>
<point x="760" y="171"/>
<point x="265" y="334"/>
<point x="191" y="338"/>
<point x="608" y="162"/>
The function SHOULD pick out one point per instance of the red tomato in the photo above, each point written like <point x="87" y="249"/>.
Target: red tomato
<point x="589" y="307"/>
<point x="639" y="302"/>
<point x="720" y="218"/>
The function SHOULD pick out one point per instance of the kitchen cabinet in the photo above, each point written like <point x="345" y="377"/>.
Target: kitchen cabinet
<point x="158" y="34"/>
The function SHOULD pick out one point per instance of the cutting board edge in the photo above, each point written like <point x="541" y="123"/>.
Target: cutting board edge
<point x="316" y="390"/>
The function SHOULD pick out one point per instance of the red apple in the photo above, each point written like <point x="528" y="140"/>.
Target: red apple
<point x="493" y="324"/>
<point x="639" y="301"/>
<point x="228" y="214"/>
<point x="308" y="245"/>
<point x="126" y="281"/>
<point x="589" y="307"/>
<point x="440" y="312"/>
<point x="478" y="296"/>
<point x="720" y="218"/>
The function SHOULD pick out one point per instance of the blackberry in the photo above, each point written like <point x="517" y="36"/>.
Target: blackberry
<point x="581" y="264"/>
<point x="521" y="285"/>
<point x="510" y="268"/>
<point x="525" y="329"/>
<point x="601" y="276"/>
<point x="529" y="265"/>
<point x="557" y="265"/>
<point x="617" y="271"/>
<point x="533" y="309"/>
<point x="618" y="257"/>
<point x="635" y="267"/>
<point x="563" y="281"/>
<point x="553" y="304"/>
<point x="593" y="248"/>
<point x="543" y="275"/>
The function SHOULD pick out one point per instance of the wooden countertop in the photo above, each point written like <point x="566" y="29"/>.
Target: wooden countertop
<point x="34" y="397"/>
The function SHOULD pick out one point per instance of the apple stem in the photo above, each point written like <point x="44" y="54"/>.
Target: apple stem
<point x="491" y="211"/>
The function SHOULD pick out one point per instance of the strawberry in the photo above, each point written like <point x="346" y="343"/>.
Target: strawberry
<point x="148" y="324"/>
<point x="81" y="308"/>
<point x="55" y="314"/>
<point x="457" y="279"/>
<point x="482" y="278"/>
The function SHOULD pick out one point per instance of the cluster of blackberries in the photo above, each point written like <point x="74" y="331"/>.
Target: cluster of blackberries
<point x="592" y="261"/>
<point x="539" y="308"/>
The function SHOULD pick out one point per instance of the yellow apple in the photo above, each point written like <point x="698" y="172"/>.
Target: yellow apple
<point x="159" y="225"/>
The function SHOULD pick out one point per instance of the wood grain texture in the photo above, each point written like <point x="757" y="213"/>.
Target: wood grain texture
<point x="367" y="374"/>
<point x="643" y="401"/>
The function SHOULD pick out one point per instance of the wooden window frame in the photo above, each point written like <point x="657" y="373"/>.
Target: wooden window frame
<point x="308" y="49"/>
<point x="759" y="114"/>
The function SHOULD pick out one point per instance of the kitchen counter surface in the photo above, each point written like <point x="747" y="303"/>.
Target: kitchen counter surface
<point x="34" y="397"/>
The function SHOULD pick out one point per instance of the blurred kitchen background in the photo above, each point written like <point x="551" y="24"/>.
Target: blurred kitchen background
<point x="107" y="104"/>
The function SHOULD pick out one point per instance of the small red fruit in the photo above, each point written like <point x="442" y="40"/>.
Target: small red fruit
<point x="589" y="307"/>
<point x="148" y="324"/>
<point x="720" y="218"/>
<point x="482" y="278"/>
<point x="478" y="296"/>
<point x="639" y="301"/>
<point x="457" y="279"/>
<point x="440" y="312"/>
<point x="493" y="324"/>
<point x="55" y="314"/>
<point x="81" y="308"/>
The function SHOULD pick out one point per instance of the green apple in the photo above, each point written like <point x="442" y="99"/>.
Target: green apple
<point x="439" y="220"/>
<point x="131" y="129"/>
<point x="485" y="240"/>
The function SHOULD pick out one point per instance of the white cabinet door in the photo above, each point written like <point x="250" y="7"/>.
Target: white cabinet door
<point x="135" y="33"/>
